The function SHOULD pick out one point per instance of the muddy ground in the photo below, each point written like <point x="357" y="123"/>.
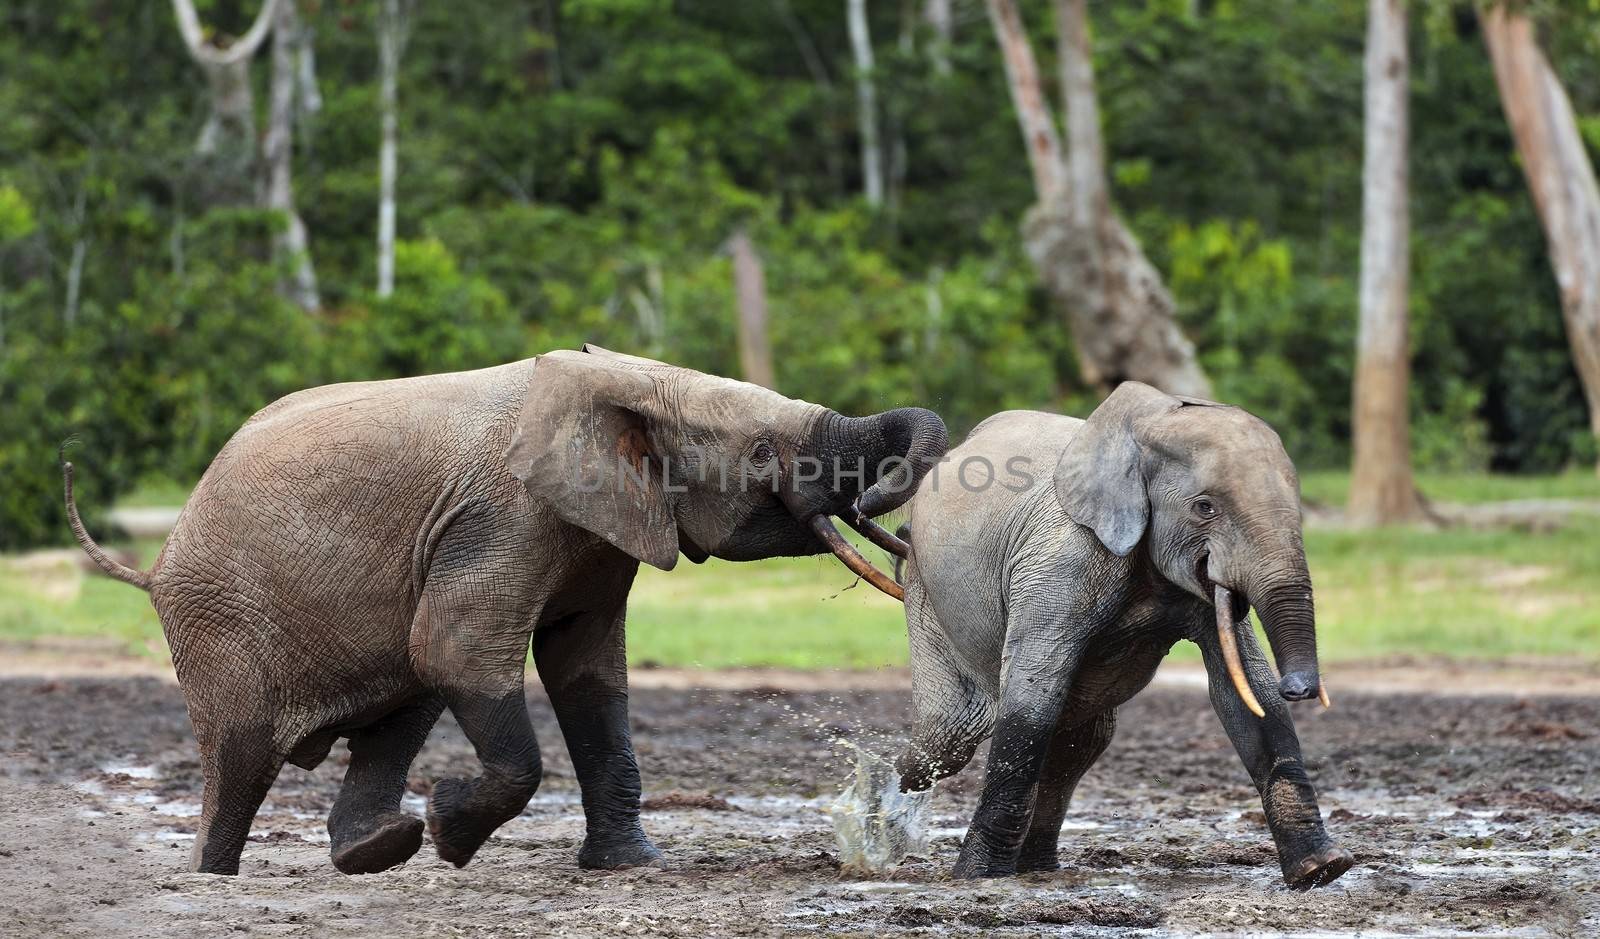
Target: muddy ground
<point x="1472" y="816"/>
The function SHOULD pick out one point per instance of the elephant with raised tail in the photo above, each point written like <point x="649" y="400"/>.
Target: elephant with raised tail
<point x="361" y="556"/>
<point x="1053" y="563"/>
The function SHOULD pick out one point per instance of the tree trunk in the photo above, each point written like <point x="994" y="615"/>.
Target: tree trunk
<point x="393" y="25"/>
<point x="278" y="154"/>
<point x="1039" y="136"/>
<point x="230" y="127"/>
<point x="1123" y="321"/>
<point x="1381" y="487"/>
<point x="866" y="103"/>
<point x="750" y="289"/>
<point x="936" y="13"/>
<point x="1561" y="179"/>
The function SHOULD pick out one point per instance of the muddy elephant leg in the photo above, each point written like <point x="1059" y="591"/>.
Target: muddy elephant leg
<point x="1072" y="751"/>
<point x="583" y="665"/>
<point x="463" y="813"/>
<point x="240" y="763"/>
<point x="1036" y="679"/>
<point x="367" y="830"/>
<point x="952" y="714"/>
<point x="469" y="646"/>
<point x="1270" y="750"/>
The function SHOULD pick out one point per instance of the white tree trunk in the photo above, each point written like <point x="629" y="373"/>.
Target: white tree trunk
<point x="750" y="290"/>
<point x="1039" y="136"/>
<point x="1561" y="179"/>
<point x="1123" y="321"/>
<point x="936" y="13"/>
<point x="1382" y="490"/>
<point x="866" y="102"/>
<point x="1087" y="187"/>
<point x="278" y="154"/>
<point x="230" y="127"/>
<point x="393" y="25"/>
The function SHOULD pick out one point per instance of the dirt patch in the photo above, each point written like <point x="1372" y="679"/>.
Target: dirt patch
<point x="1463" y="818"/>
<point x="687" y="800"/>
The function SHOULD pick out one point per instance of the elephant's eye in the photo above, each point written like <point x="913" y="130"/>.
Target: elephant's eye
<point x="1205" y="508"/>
<point x="762" y="454"/>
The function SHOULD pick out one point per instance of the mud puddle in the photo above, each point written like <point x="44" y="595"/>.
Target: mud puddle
<point x="1468" y="816"/>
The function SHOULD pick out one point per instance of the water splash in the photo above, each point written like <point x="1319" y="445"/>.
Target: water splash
<point x="875" y="824"/>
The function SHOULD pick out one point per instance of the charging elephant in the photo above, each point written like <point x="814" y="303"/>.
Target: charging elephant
<point x="1054" y="562"/>
<point x="361" y="556"/>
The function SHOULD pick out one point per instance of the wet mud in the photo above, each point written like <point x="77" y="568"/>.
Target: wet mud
<point x="1476" y="816"/>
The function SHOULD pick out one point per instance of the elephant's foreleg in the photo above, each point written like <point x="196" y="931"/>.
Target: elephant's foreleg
<point x="1040" y="663"/>
<point x="583" y="665"/>
<point x="469" y="647"/>
<point x="1270" y="750"/>
<point x="1072" y="751"/>
<point x="367" y="830"/>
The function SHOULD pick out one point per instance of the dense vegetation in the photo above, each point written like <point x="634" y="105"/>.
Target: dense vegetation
<point x="571" y="170"/>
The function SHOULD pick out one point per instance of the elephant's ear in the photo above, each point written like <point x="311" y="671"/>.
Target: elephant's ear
<point x="590" y="348"/>
<point x="1100" y="479"/>
<point x="584" y="444"/>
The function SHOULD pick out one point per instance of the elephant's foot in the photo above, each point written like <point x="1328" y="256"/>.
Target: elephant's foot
<point x="1036" y="859"/>
<point x="459" y="816"/>
<point x="978" y="860"/>
<point x="616" y="852"/>
<point x="391" y="840"/>
<point x="1318" y="868"/>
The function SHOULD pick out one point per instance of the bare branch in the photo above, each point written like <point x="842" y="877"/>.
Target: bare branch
<point x="209" y="55"/>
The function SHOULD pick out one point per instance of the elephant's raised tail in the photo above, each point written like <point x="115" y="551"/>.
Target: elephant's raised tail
<point x="122" y="572"/>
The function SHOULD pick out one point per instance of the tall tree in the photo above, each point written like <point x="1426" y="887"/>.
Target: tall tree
<point x="750" y="290"/>
<point x="866" y="102"/>
<point x="1382" y="490"/>
<point x="394" y="28"/>
<point x="289" y="40"/>
<point x="941" y="22"/>
<point x="231" y="123"/>
<point x="1561" y="179"/>
<point x="1122" y="318"/>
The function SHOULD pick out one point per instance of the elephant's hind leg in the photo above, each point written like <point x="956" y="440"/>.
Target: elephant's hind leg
<point x="240" y="763"/>
<point x="368" y="831"/>
<point x="952" y="713"/>
<point x="1072" y="751"/>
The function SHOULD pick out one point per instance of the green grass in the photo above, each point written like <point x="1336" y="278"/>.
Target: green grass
<point x="1453" y="593"/>
<point x="1331" y="487"/>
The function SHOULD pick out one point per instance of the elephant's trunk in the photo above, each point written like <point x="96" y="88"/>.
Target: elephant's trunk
<point x="911" y="440"/>
<point x="1282" y="598"/>
<point x="917" y="437"/>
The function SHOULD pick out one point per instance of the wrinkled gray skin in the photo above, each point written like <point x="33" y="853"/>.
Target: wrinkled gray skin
<point x="1033" y="614"/>
<point x="361" y="556"/>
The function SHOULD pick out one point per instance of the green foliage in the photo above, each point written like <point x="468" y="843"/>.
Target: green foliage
<point x="572" y="171"/>
<point x="16" y="215"/>
<point x="437" y="320"/>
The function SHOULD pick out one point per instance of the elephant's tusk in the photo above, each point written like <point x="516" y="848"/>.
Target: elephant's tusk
<point x="1322" y="696"/>
<point x="825" y="531"/>
<point x="1230" y="650"/>
<point x="876" y="533"/>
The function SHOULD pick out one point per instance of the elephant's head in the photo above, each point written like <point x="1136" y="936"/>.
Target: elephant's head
<point x="1212" y="493"/>
<point x="659" y="460"/>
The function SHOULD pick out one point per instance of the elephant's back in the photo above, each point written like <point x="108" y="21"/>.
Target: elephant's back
<point x="1036" y="436"/>
<point x="968" y="512"/>
<point x="328" y="489"/>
